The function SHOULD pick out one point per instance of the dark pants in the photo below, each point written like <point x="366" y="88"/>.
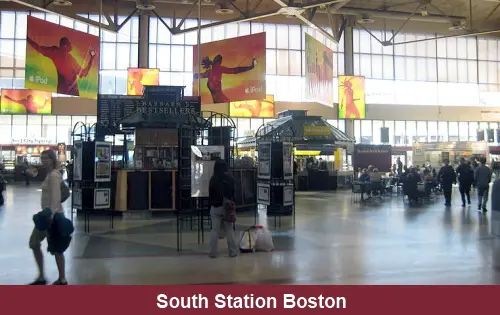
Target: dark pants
<point x="464" y="191"/>
<point x="447" y="193"/>
<point x="482" y="193"/>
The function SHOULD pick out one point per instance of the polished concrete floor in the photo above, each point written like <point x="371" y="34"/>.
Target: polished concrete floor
<point x="333" y="241"/>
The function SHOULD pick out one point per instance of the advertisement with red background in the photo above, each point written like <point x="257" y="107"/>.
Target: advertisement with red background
<point x="61" y="60"/>
<point x="137" y="78"/>
<point x="23" y="101"/>
<point x="231" y="70"/>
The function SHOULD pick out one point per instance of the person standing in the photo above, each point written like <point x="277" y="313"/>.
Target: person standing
<point x="221" y="193"/>
<point x="447" y="177"/>
<point x="51" y="199"/>
<point x="465" y="179"/>
<point x="482" y="179"/>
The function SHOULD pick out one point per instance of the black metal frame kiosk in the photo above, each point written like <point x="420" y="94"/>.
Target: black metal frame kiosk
<point x="276" y="142"/>
<point x="91" y="191"/>
<point x="175" y="148"/>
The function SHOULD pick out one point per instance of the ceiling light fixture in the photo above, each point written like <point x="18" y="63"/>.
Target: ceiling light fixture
<point x="62" y="3"/>
<point x="224" y="9"/>
<point x="365" y="19"/>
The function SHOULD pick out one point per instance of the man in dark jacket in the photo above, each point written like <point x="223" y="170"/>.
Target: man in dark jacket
<point x="482" y="178"/>
<point x="465" y="179"/>
<point x="447" y="178"/>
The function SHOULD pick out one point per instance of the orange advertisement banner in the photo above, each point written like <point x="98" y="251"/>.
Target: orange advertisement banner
<point x="231" y="70"/>
<point x="137" y="78"/>
<point x="352" y="97"/>
<point x="61" y="60"/>
<point x="254" y="109"/>
<point x="25" y="102"/>
<point x="319" y="71"/>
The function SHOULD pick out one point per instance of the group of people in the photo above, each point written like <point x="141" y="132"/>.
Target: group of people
<point x="469" y="173"/>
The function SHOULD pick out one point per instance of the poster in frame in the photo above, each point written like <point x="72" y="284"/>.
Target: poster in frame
<point x="263" y="194"/>
<point x="102" y="166"/>
<point x="287" y="195"/>
<point x="77" y="160"/>
<point x="264" y="165"/>
<point x="287" y="160"/>
<point x="102" y="198"/>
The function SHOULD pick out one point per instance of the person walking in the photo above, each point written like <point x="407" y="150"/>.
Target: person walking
<point x="221" y="197"/>
<point x="447" y="177"/>
<point x="482" y="179"/>
<point x="465" y="179"/>
<point x="51" y="199"/>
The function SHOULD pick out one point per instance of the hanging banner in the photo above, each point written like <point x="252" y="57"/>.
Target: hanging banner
<point x="253" y="109"/>
<point x="231" y="70"/>
<point x="25" y="102"/>
<point x="60" y="59"/>
<point x="352" y="97"/>
<point x="319" y="71"/>
<point x="137" y="78"/>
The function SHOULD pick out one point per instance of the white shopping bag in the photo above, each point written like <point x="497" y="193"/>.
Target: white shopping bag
<point x="247" y="240"/>
<point x="264" y="241"/>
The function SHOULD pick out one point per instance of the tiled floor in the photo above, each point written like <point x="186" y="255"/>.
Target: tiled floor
<point x="332" y="242"/>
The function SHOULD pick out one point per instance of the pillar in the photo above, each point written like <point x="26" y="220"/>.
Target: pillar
<point x="349" y="68"/>
<point x="143" y="41"/>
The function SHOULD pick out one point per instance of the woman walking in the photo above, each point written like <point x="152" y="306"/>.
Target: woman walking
<point x="51" y="199"/>
<point x="221" y="196"/>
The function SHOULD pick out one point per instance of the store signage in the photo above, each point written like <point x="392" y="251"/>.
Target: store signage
<point x="490" y="115"/>
<point x="317" y="131"/>
<point x="31" y="141"/>
<point x="167" y="108"/>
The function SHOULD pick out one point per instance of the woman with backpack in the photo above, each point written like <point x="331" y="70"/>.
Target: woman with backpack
<point x="222" y="212"/>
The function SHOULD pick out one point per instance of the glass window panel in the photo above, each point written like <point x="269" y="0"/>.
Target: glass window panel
<point x="206" y="35"/>
<point x="441" y="48"/>
<point x="411" y="132"/>
<point x="123" y="56"/>
<point x="21" y="23"/>
<point x="108" y="36"/>
<point x="79" y="26"/>
<point x="463" y="128"/>
<point x="34" y="126"/>
<point x="152" y="56"/>
<point x="54" y="18"/>
<point x="399" y="133"/>
<point x="472" y="71"/>
<point x="5" y="129"/>
<point x="164" y="36"/>
<point x="399" y="50"/>
<point x="270" y="35"/>
<point x="295" y="62"/>
<point x="431" y="48"/>
<point x="453" y="131"/>
<point x="422" y="46"/>
<point x="411" y="48"/>
<point x="451" y="47"/>
<point x="471" y="48"/>
<point x="178" y="58"/>
<point x="462" y="71"/>
<point x="376" y="48"/>
<point x="365" y="66"/>
<point x="482" y="48"/>
<point x="18" y="131"/>
<point x="377" y="125"/>
<point x="20" y="52"/>
<point x="134" y="55"/>
<point x="473" y="126"/>
<point x="188" y="59"/>
<point x="357" y="131"/>
<point x="192" y="37"/>
<point x="19" y="120"/>
<point x="108" y="57"/>
<point x="462" y="48"/>
<point x="231" y="30"/>
<point x="270" y="61"/>
<point x="390" y="125"/>
<point x="341" y="67"/>
<point x="153" y="30"/>
<point x="492" y="49"/>
<point x="243" y="127"/>
<point x="388" y="67"/>
<point x="442" y="70"/>
<point x="107" y="84"/>
<point x="282" y="62"/>
<point x="442" y="131"/>
<point x="121" y="82"/>
<point x="163" y="57"/>
<point x="218" y="32"/>
<point x="179" y="39"/>
<point x="366" y="132"/>
<point x="483" y="72"/>
<point x="294" y="36"/>
<point x="377" y="67"/>
<point x="256" y="27"/>
<point x="7" y="53"/>
<point x="422" y="131"/>
<point x="355" y="40"/>
<point x="7" y="21"/>
<point x="421" y="69"/>
<point x="411" y="68"/>
<point x="452" y="70"/>
<point x="282" y="35"/>
<point x="432" y="130"/>
<point x="356" y="64"/>
<point x="244" y="29"/>
<point x="492" y="73"/>
<point x="400" y="68"/>
<point x="365" y="42"/>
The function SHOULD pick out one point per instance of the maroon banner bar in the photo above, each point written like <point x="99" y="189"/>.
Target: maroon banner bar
<point x="141" y="300"/>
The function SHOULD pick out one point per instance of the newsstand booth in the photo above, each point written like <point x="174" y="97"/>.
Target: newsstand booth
<point x="434" y="153"/>
<point x="309" y="133"/>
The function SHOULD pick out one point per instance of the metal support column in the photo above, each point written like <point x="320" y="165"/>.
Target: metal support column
<point x="144" y="41"/>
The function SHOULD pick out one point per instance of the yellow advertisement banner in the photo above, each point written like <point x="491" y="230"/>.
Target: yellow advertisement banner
<point x="255" y="109"/>
<point x="352" y="97"/>
<point x="317" y="131"/>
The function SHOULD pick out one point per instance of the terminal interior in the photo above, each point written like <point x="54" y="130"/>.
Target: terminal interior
<point x="430" y="73"/>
